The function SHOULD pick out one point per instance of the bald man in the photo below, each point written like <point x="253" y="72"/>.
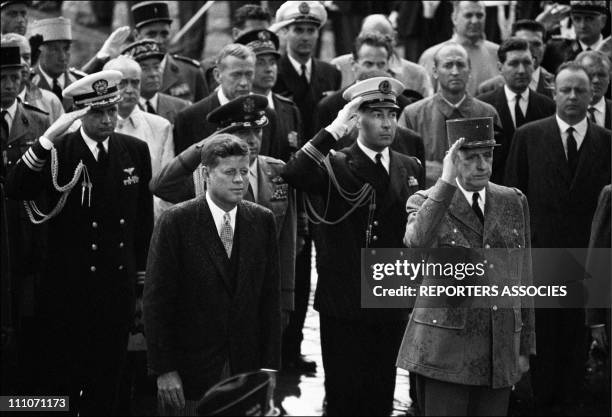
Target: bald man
<point x="413" y="76"/>
<point x="150" y="128"/>
<point x="30" y="93"/>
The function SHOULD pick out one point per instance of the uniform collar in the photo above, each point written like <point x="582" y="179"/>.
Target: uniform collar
<point x="594" y="47"/>
<point x="153" y="100"/>
<point x="12" y="109"/>
<point x="468" y="195"/>
<point x="92" y="144"/>
<point x="61" y="80"/>
<point x="385" y="160"/>
<point x="298" y="66"/>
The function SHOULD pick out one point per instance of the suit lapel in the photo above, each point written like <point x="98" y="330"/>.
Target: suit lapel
<point x="608" y="120"/>
<point x="462" y="211"/>
<point x="210" y="240"/>
<point x="556" y="154"/>
<point x="20" y="125"/>
<point x="362" y="166"/>
<point x="504" y="113"/>
<point x="588" y="153"/>
<point x="245" y="229"/>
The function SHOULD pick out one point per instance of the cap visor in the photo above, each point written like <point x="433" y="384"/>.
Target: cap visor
<point x="380" y="105"/>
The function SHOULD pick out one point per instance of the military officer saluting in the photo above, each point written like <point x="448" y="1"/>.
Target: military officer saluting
<point x="100" y="217"/>
<point x="366" y="187"/>
<point x="182" y="77"/>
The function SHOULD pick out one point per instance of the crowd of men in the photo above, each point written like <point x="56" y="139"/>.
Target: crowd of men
<point x="159" y="216"/>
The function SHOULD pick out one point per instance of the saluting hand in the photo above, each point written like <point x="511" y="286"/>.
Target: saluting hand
<point x="346" y="119"/>
<point x="112" y="45"/>
<point x="449" y="169"/>
<point x="170" y="390"/>
<point x="62" y="124"/>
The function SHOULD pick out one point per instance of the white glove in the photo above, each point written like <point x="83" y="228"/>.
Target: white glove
<point x="63" y="122"/>
<point x="112" y="45"/>
<point x="346" y="119"/>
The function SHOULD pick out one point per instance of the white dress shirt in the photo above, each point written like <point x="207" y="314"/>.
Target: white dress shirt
<point x="535" y="78"/>
<point x="10" y="115"/>
<point x="385" y="159"/>
<point x="298" y="67"/>
<point x="468" y="196"/>
<point x="61" y="80"/>
<point x="511" y="100"/>
<point x="600" y="111"/>
<point x="221" y="96"/>
<point x="218" y="213"/>
<point x="153" y="101"/>
<point x="93" y="144"/>
<point x="580" y="129"/>
<point x="270" y="100"/>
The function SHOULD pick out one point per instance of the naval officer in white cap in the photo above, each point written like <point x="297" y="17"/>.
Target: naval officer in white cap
<point x="366" y="186"/>
<point x="99" y="211"/>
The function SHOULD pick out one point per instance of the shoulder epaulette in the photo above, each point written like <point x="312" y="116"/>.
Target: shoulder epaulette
<point x="32" y="107"/>
<point x="188" y="60"/>
<point x="77" y="72"/>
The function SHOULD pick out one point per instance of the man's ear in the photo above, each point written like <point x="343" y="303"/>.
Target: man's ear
<point x="205" y="172"/>
<point x="217" y="75"/>
<point x="499" y="66"/>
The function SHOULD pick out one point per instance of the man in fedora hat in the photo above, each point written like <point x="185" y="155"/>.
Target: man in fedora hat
<point x="359" y="369"/>
<point x="95" y="182"/>
<point x="22" y="124"/>
<point x="468" y="353"/>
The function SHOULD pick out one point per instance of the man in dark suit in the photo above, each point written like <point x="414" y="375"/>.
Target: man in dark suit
<point x="541" y="80"/>
<point x="561" y="163"/>
<point x="148" y="54"/>
<point x="597" y="66"/>
<point x="22" y="125"/>
<point x="52" y="72"/>
<point x="234" y="71"/>
<point x="359" y="367"/>
<point x="212" y="294"/>
<point x="467" y="352"/>
<point x="302" y="77"/>
<point x="284" y="134"/>
<point x="515" y="102"/>
<point x="98" y="236"/>
<point x="181" y="180"/>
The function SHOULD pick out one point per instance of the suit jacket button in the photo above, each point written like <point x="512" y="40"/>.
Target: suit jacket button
<point x="122" y="221"/>
<point x="121" y="244"/>
<point x="94" y="246"/>
<point x="120" y="267"/>
<point x="452" y="242"/>
<point x="94" y="225"/>
<point x="92" y="268"/>
<point x="375" y="222"/>
<point x="494" y="308"/>
<point x="375" y="238"/>
<point x="488" y="246"/>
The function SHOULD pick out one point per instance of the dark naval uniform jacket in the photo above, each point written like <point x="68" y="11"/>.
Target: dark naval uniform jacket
<point x="471" y="341"/>
<point x="183" y="78"/>
<point x="94" y="251"/>
<point x="339" y="253"/>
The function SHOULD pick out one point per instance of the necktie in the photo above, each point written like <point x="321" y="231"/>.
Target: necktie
<point x="303" y="77"/>
<point x="519" y="117"/>
<point x="150" y="108"/>
<point x="476" y="207"/>
<point x="227" y="234"/>
<point x="102" y="155"/>
<point x="592" y="111"/>
<point x="456" y="114"/>
<point x="572" y="151"/>
<point x="380" y="165"/>
<point x="57" y="90"/>
<point x="5" y="125"/>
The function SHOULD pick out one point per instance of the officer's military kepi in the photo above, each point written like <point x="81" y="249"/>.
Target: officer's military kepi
<point x="301" y="12"/>
<point x="143" y="49"/>
<point x="477" y="131"/>
<point x="96" y="90"/>
<point x="10" y="57"/>
<point x="592" y="7"/>
<point x="260" y="41"/>
<point x="8" y="3"/>
<point x="246" y="112"/>
<point x="147" y="12"/>
<point x="378" y="92"/>
<point x="53" y="29"/>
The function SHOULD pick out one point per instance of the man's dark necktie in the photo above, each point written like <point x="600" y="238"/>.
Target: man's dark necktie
<point x="57" y="90"/>
<point x="455" y="114"/>
<point x="150" y="108"/>
<point x="383" y="175"/>
<point x="518" y="113"/>
<point x="5" y="126"/>
<point x="572" y="151"/>
<point x="303" y="78"/>
<point x="102" y="156"/>
<point x="592" y="111"/>
<point x="476" y="207"/>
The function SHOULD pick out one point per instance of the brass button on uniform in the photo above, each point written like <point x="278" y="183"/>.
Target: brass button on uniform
<point x="494" y="308"/>
<point x="490" y="266"/>
<point x="434" y="321"/>
<point x="94" y="246"/>
<point x="94" y="225"/>
<point x="92" y="268"/>
<point x="488" y="246"/>
<point x="375" y="222"/>
<point x="121" y="244"/>
<point x="375" y="238"/>
<point x="120" y="267"/>
<point x="121" y="221"/>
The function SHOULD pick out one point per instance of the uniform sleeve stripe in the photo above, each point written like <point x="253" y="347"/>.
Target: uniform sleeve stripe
<point x="31" y="163"/>
<point x="310" y="150"/>
<point x="34" y="160"/>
